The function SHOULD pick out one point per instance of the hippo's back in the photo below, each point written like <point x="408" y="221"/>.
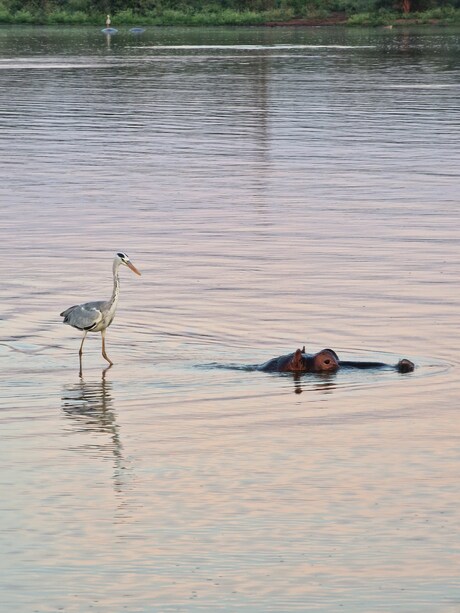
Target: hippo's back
<point x="276" y="364"/>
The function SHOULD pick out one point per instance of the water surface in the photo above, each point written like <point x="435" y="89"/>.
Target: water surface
<point x="276" y="187"/>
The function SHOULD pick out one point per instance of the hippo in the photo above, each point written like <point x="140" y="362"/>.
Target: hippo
<point x="325" y="361"/>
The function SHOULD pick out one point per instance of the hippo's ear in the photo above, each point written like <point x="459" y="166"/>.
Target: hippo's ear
<point x="297" y="360"/>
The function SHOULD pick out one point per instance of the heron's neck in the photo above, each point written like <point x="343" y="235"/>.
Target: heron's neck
<point x="116" y="284"/>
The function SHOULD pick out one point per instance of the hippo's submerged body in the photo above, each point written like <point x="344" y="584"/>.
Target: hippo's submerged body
<point x="325" y="361"/>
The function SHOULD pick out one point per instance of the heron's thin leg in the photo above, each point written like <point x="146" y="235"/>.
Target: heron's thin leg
<point x="80" y="353"/>
<point x="103" y="348"/>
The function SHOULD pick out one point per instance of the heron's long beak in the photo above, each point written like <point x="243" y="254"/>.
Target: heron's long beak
<point x="133" y="268"/>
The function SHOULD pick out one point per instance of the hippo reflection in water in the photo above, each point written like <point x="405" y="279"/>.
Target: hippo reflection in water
<point x="325" y="361"/>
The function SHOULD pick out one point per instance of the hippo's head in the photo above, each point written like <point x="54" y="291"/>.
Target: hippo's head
<point x="325" y="361"/>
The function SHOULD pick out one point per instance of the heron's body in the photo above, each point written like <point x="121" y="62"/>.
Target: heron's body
<point x="98" y="315"/>
<point x="90" y="316"/>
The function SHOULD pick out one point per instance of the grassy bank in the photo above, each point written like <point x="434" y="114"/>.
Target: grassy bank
<point x="213" y="16"/>
<point x="437" y="16"/>
<point x="166" y="17"/>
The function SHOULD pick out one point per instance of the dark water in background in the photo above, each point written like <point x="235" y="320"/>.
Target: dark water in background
<point x="275" y="187"/>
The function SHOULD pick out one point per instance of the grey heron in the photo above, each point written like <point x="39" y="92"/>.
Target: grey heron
<point x="98" y="315"/>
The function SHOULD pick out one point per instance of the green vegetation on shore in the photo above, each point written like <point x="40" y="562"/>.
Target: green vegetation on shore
<point x="440" y="16"/>
<point x="229" y="12"/>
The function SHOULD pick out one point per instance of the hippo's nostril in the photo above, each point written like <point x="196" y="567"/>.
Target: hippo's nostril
<point x="327" y="361"/>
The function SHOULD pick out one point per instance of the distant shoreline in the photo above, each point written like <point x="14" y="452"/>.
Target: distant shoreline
<point x="226" y="17"/>
<point x="335" y="19"/>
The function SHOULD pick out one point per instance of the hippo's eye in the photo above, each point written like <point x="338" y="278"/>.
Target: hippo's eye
<point x="327" y="361"/>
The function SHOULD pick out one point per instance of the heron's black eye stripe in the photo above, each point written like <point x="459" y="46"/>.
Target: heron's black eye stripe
<point x="122" y="256"/>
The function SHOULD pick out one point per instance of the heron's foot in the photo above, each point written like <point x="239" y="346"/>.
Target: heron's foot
<point x="105" y="371"/>
<point x="106" y="357"/>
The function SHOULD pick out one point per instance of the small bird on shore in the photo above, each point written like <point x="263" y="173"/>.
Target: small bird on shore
<point x="98" y="315"/>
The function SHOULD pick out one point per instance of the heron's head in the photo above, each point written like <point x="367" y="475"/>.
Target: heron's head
<point x="122" y="258"/>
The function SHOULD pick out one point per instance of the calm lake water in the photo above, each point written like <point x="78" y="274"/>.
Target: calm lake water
<point x="275" y="187"/>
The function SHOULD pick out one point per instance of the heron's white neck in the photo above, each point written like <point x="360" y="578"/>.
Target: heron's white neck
<point x="116" y="283"/>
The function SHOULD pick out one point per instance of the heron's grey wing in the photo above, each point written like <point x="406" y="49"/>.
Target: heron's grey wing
<point x="83" y="316"/>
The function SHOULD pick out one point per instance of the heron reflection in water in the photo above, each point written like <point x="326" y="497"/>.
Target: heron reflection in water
<point x="89" y="406"/>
